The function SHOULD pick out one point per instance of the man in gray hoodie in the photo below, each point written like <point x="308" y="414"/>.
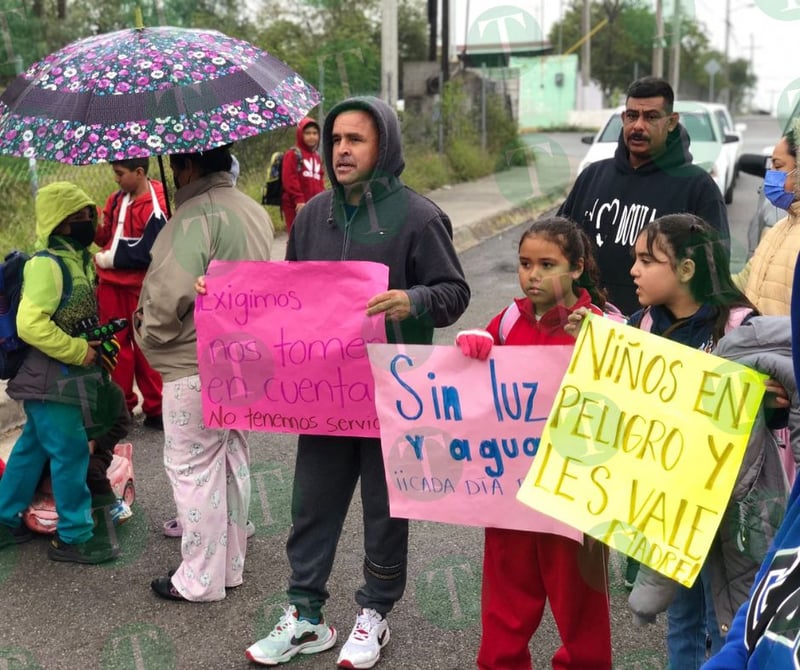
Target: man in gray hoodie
<point x="367" y="215"/>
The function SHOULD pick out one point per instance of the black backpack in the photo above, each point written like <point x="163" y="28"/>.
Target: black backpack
<point x="12" y="349"/>
<point x="273" y="188"/>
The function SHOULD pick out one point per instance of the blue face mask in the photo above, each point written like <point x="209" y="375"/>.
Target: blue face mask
<point x="775" y="189"/>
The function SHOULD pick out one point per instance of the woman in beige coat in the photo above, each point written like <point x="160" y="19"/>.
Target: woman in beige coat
<point x="767" y="278"/>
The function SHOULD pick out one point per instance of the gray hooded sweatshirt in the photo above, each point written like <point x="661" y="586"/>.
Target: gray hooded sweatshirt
<point x="391" y="224"/>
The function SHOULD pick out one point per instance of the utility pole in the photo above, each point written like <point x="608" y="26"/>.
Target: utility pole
<point x="433" y="19"/>
<point x="445" y="41"/>
<point x="541" y="15"/>
<point x="752" y="70"/>
<point x="726" y="97"/>
<point x="658" y="43"/>
<point x="586" y="52"/>
<point x="675" y="61"/>
<point x="389" y="58"/>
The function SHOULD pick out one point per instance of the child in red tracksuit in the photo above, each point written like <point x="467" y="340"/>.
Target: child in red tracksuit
<point x="302" y="176"/>
<point x="524" y="569"/>
<point x="128" y="210"/>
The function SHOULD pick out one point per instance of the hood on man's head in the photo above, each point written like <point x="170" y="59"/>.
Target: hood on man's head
<point x="390" y="145"/>
<point x="54" y="203"/>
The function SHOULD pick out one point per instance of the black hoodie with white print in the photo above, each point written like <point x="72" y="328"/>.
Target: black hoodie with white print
<point x="612" y="202"/>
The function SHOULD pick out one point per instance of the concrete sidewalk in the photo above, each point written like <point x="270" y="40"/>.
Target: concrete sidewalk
<point x="477" y="209"/>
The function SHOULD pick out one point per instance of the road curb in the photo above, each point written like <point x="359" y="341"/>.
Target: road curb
<point x="466" y="237"/>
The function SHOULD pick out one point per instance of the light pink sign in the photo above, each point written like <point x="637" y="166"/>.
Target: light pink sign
<point x="282" y="346"/>
<point x="459" y="435"/>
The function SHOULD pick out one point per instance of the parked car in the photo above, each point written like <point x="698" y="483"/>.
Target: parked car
<point x="766" y="214"/>
<point x="728" y="126"/>
<point x="604" y="142"/>
<point x="708" y="140"/>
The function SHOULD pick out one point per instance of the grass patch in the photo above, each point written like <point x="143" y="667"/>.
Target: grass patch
<point x="425" y="170"/>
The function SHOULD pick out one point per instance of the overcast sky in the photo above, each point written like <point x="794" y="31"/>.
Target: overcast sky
<point x="764" y="31"/>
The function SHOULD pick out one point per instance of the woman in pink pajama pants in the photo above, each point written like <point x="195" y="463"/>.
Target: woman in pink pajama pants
<point x="208" y="469"/>
<point x="210" y="476"/>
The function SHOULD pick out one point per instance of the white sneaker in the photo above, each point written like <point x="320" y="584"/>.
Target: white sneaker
<point x="368" y="637"/>
<point x="291" y="636"/>
<point x="120" y="512"/>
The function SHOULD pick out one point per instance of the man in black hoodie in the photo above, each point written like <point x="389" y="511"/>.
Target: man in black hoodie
<point x="650" y="175"/>
<point x="367" y="215"/>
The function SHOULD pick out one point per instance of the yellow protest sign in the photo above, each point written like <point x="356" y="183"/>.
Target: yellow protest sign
<point x="642" y="445"/>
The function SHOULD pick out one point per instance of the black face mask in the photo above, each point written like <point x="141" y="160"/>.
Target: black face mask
<point x="81" y="232"/>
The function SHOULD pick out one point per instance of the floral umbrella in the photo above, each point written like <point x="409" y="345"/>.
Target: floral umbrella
<point x="148" y="91"/>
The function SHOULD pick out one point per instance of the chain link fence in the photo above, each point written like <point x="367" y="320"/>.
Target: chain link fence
<point x="19" y="181"/>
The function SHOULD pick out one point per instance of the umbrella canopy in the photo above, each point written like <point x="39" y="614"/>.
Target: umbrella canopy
<point x="148" y="91"/>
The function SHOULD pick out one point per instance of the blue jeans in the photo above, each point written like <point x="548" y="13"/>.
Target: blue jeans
<point x="690" y="618"/>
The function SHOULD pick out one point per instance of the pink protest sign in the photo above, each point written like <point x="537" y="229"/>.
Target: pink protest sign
<point x="459" y="435"/>
<point x="282" y="346"/>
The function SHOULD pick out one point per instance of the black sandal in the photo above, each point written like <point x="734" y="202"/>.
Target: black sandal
<point x="164" y="588"/>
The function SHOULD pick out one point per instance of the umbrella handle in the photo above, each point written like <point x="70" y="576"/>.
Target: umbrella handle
<point x="164" y="184"/>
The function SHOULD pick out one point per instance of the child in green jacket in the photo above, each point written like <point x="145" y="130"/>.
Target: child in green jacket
<point x="60" y="380"/>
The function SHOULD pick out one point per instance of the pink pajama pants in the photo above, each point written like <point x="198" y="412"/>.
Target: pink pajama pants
<point x="210" y="475"/>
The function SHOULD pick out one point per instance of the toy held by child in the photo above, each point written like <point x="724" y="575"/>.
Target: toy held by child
<point x="523" y="570"/>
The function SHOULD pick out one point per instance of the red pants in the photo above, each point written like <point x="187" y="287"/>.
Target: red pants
<point x="289" y="212"/>
<point x="120" y="302"/>
<point x="523" y="570"/>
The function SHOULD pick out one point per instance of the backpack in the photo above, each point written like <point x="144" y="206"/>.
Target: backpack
<point x="12" y="349"/>
<point x="272" y="190"/>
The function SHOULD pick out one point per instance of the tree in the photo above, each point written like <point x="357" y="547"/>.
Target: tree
<point x="20" y="31"/>
<point x="412" y="29"/>
<point x="623" y="49"/>
<point x="742" y="83"/>
<point x="32" y="32"/>
<point x="336" y="44"/>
